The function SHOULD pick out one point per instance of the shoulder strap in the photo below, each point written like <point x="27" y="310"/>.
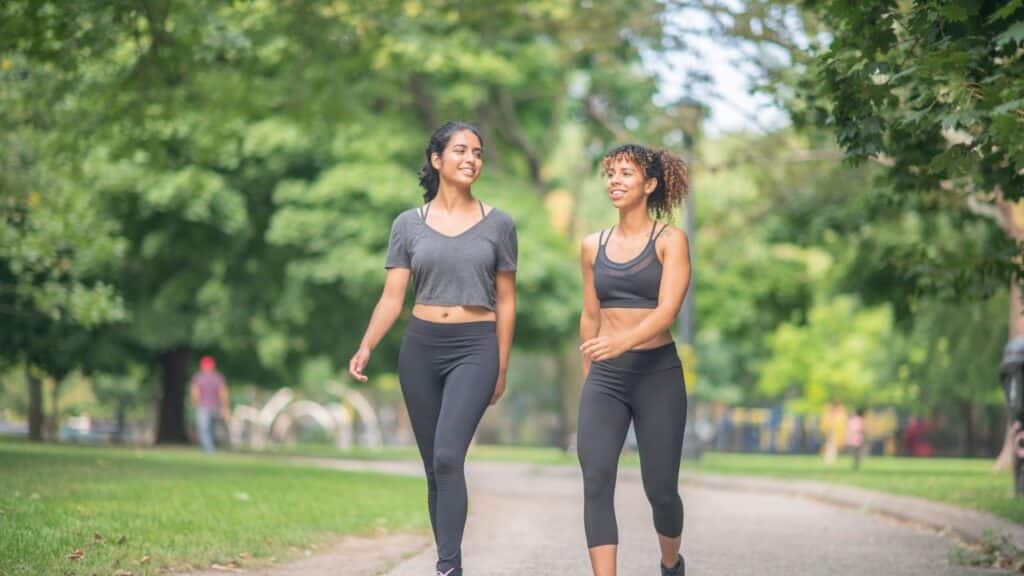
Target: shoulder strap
<point x="602" y="239"/>
<point x="659" y="232"/>
<point x="482" y="213"/>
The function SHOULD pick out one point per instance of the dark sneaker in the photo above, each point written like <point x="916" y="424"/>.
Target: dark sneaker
<point x="678" y="570"/>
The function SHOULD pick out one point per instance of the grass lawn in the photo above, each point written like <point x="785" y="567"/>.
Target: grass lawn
<point x="142" y="511"/>
<point x="963" y="482"/>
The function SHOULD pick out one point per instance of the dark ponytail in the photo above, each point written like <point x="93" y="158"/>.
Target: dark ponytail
<point x="669" y="170"/>
<point x="429" y="178"/>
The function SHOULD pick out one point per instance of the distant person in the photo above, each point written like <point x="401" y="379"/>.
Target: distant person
<point x="914" y="438"/>
<point x="210" y="398"/>
<point x="635" y="277"/>
<point x="855" y="441"/>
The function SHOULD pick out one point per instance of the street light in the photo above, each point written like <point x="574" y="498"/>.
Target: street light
<point x="688" y="115"/>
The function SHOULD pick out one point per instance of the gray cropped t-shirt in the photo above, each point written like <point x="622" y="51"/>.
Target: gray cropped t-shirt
<point x="454" y="270"/>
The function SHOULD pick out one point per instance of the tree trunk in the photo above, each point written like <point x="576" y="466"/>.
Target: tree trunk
<point x="119" y="431"/>
<point x="174" y="373"/>
<point x="967" y="410"/>
<point x="35" y="406"/>
<point x="52" y="424"/>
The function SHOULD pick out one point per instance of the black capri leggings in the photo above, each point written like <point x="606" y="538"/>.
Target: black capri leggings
<point x="448" y="373"/>
<point x="645" y="386"/>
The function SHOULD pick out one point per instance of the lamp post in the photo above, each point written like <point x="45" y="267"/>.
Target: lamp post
<point x="688" y="115"/>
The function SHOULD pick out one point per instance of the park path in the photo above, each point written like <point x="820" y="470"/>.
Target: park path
<point x="527" y="520"/>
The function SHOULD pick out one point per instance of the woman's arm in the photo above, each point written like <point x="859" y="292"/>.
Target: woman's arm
<point x="590" y="317"/>
<point x="505" y="310"/>
<point x="675" y="280"/>
<point x="383" y="318"/>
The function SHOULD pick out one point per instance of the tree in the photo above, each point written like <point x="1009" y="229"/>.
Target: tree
<point x="54" y="250"/>
<point x="213" y="134"/>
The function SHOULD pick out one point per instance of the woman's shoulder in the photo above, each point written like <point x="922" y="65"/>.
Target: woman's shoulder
<point x="501" y="217"/>
<point x="407" y="216"/>
<point x="592" y="239"/>
<point x="671" y="234"/>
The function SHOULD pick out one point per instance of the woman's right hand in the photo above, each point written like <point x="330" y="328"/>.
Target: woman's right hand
<point x="358" y="363"/>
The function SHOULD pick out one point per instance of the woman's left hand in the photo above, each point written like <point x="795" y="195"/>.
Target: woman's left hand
<point x="603" y="348"/>
<point x="499" y="389"/>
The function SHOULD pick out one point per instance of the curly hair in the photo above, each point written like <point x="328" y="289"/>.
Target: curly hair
<point x="668" y="169"/>
<point x="429" y="177"/>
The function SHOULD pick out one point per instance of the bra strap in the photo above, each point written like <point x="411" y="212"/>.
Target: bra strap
<point x="659" y="232"/>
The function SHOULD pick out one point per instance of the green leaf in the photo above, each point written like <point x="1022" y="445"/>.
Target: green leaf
<point x="1014" y="33"/>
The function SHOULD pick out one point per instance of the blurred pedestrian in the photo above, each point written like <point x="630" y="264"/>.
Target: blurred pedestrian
<point x="855" y="437"/>
<point x="210" y="398"/>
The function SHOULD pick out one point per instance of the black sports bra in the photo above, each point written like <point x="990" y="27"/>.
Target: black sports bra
<point x="632" y="284"/>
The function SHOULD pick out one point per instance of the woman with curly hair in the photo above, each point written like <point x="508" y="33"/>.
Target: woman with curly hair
<point x="635" y="277"/>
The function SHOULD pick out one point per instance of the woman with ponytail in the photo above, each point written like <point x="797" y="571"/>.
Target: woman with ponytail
<point x="461" y="255"/>
<point x="635" y="277"/>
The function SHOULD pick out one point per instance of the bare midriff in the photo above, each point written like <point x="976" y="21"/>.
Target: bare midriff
<point x="452" y="314"/>
<point x="617" y="321"/>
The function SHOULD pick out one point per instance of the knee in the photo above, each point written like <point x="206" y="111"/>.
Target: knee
<point x="662" y="495"/>
<point x="447" y="463"/>
<point x="598" y="481"/>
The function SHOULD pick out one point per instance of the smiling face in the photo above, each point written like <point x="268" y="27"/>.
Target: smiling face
<point x="625" y="183"/>
<point x="460" y="163"/>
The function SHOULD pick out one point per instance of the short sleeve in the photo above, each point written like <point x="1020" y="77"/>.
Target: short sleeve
<point x="508" y="248"/>
<point x="398" y="245"/>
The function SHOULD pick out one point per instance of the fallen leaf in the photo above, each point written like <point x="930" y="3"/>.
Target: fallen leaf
<point x="232" y="567"/>
<point x="121" y="539"/>
<point x="144" y="559"/>
<point x="97" y="537"/>
<point x="76" y="555"/>
<point x="122" y="572"/>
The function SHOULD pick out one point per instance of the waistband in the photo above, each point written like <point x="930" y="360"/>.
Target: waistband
<point x="647" y="360"/>
<point x="443" y="330"/>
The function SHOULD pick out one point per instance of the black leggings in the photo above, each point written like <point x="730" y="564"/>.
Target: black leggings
<point x="647" y="387"/>
<point x="447" y="373"/>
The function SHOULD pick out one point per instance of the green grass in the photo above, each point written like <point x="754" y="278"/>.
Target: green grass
<point x="147" y="510"/>
<point x="961" y="482"/>
<point x="969" y="483"/>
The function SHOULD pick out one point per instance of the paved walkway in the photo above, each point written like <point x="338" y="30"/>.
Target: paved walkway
<point x="527" y="520"/>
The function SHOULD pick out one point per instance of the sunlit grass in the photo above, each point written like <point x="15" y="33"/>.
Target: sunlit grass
<point x="146" y="510"/>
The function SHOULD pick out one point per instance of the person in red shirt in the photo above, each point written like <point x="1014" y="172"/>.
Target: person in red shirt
<point x="210" y="397"/>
